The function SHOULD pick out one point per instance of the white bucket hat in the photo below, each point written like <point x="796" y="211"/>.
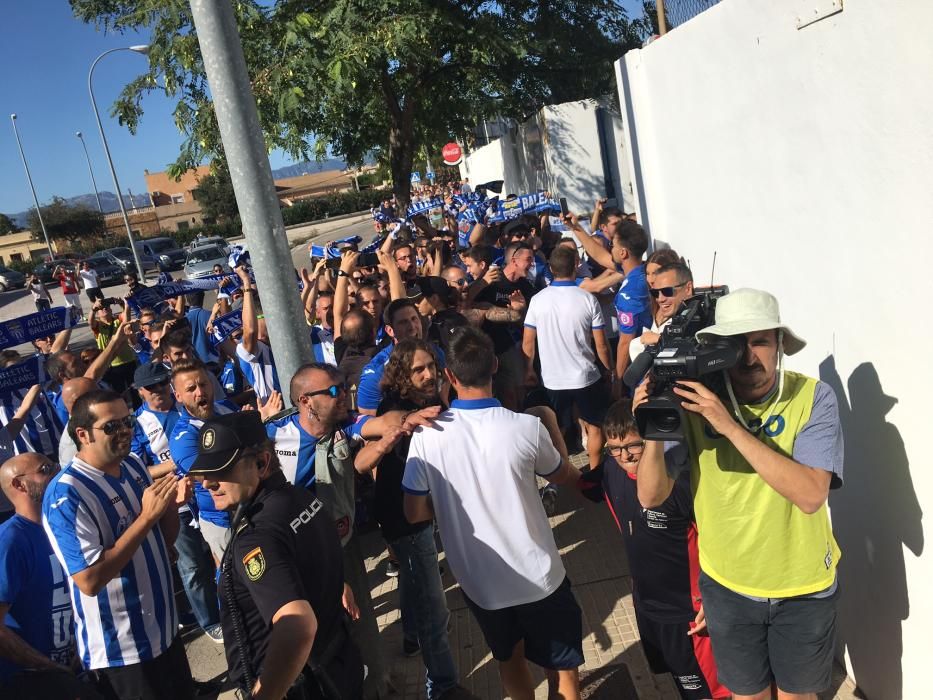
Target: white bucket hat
<point x="749" y="310"/>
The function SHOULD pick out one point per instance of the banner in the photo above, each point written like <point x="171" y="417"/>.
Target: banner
<point x="225" y="325"/>
<point x="38" y="325"/>
<point x="536" y="203"/>
<point x="150" y="297"/>
<point x="423" y="207"/>
<point x="331" y="251"/>
<point x="22" y="375"/>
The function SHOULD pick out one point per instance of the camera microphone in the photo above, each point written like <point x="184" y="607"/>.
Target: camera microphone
<point x="638" y="369"/>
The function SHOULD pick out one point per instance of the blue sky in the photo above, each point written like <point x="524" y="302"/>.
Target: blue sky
<point x="46" y="54"/>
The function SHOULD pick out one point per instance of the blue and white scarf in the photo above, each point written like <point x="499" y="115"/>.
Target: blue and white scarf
<point x="38" y="325"/>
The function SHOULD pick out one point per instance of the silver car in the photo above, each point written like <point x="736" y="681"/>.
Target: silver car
<point x="200" y="262"/>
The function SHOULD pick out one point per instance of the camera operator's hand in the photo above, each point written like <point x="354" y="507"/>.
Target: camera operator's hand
<point x="642" y="391"/>
<point x="649" y="338"/>
<point x="699" y="399"/>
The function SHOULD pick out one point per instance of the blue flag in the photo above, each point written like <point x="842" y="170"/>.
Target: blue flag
<point x="22" y="375"/>
<point x="38" y="325"/>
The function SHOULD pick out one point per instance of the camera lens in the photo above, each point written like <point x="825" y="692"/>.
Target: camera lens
<point x="666" y="421"/>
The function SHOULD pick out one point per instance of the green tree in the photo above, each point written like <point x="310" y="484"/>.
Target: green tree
<point x="354" y="76"/>
<point x="73" y="223"/>
<point x="216" y="197"/>
<point x="7" y="225"/>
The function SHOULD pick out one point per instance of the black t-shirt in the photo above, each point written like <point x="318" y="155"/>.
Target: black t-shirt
<point x="286" y="549"/>
<point x="661" y="544"/>
<point x="388" y="506"/>
<point x="504" y="335"/>
<point x="441" y="325"/>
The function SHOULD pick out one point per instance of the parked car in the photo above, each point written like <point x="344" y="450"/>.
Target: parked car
<point x="208" y="241"/>
<point x="11" y="279"/>
<point x="108" y="274"/>
<point x="44" y="270"/>
<point x="164" y="251"/>
<point x="201" y="261"/>
<point x="123" y="257"/>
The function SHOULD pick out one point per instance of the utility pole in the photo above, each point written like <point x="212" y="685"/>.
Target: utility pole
<point x="662" y="18"/>
<point x="251" y="174"/>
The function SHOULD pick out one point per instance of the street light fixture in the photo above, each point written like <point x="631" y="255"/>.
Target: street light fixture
<point x="140" y="49"/>
<point x="33" y="188"/>
<point x="90" y="170"/>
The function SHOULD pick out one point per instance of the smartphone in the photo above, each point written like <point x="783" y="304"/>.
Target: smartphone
<point x="333" y="263"/>
<point x="367" y="260"/>
<point x="563" y="206"/>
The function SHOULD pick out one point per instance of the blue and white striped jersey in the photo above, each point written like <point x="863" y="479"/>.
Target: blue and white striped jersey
<point x="133" y="618"/>
<point x="42" y="429"/>
<point x="297" y="448"/>
<point x="258" y="370"/>
<point x="150" y="437"/>
<point x="322" y="345"/>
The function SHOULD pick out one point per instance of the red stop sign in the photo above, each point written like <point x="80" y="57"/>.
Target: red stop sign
<point x="452" y="153"/>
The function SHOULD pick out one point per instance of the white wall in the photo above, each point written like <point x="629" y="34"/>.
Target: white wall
<point x="805" y="159"/>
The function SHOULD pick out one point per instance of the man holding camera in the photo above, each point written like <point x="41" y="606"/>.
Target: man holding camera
<point x="761" y="470"/>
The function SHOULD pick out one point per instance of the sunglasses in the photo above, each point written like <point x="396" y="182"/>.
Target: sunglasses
<point x="633" y="448"/>
<point x="460" y="282"/>
<point x="665" y="291"/>
<point x="44" y="469"/>
<point x="334" y="390"/>
<point x="112" y="426"/>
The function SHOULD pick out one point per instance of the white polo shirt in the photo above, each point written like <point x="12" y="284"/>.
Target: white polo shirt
<point x="480" y="471"/>
<point x="565" y="317"/>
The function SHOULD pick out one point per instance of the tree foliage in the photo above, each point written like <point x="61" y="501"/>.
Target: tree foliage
<point x="7" y="225"/>
<point x="216" y="197"/>
<point x="63" y="221"/>
<point x="354" y="76"/>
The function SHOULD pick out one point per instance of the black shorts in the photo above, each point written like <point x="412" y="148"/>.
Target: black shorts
<point x="552" y="629"/>
<point x="166" y="676"/>
<point x="591" y="401"/>
<point x="789" y="641"/>
<point x="94" y="293"/>
<point x="689" y="659"/>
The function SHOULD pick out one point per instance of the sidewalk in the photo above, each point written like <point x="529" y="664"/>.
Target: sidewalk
<point x="593" y="554"/>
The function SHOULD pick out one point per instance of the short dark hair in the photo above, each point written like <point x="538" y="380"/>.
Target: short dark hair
<point x="664" y="256"/>
<point x="563" y="261"/>
<point x="511" y="250"/>
<point x="481" y="253"/>
<point x="398" y="246"/>
<point x="611" y="211"/>
<point x="633" y="238"/>
<point x="619" y="420"/>
<point x="176" y="338"/>
<point x="393" y="307"/>
<point x="684" y="274"/>
<point x="82" y="413"/>
<point x="357" y="328"/>
<point x="471" y="357"/>
<point x="186" y="366"/>
<point x="195" y="299"/>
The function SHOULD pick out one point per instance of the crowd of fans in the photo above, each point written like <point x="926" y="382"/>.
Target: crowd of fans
<point x="457" y="366"/>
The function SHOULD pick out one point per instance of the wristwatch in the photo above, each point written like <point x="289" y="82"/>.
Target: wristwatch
<point x="342" y="273"/>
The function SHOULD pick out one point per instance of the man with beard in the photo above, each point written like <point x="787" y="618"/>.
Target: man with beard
<point x="410" y="384"/>
<point x="761" y="471"/>
<point x="315" y="446"/>
<point x="35" y="613"/>
<point x="111" y="527"/>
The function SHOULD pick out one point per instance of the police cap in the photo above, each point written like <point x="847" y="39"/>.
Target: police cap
<point x="222" y="440"/>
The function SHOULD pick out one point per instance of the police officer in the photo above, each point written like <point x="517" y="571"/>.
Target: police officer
<point x="282" y="586"/>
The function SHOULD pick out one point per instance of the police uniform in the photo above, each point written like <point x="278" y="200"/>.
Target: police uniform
<point x="284" y="548"/>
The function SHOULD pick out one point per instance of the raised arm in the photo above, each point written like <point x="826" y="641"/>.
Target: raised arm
<point x="102" y="362"/>
<point x="250" y="327"/>
<point x="396" y="285"/>
<point x="593" y="248"/>
<point x="15" y="424"/>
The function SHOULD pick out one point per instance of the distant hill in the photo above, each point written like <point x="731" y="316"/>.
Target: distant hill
<point x="108" y="200"/>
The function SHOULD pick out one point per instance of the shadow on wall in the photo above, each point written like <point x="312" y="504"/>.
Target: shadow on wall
<point x="875" y="514"/>
<point x="569" y="177"/>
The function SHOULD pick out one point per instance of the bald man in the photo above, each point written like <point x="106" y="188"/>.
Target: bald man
<point x="72" y="390"/>
<point x="35" y="610"/>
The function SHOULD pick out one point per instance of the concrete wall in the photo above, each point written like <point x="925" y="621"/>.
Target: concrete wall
<point x="22" y="246"/>
<point x="804" y="157"/>
<point x="566" y="148"/>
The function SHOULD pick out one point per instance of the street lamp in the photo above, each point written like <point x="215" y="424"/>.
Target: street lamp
<point x="90" y="170"/>
<point x="33" y="188"/>
<point x="141" y="49"/>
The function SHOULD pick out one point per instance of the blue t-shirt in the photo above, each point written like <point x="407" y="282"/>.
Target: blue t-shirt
<point x="633" y="305"/>
<point x="369" y="393"/>
<point x="297" y="448"/>
<point x="33" y="584"/>
<point x="201" y="341"/>
<point x="151" y="434"/>
<point x="183" y="446"/>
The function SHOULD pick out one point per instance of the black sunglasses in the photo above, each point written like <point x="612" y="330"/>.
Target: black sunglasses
<point x="112" y="426"/>
<point x="665" y="291"/>
<point x="333" y="391"/>
<point x="44" y="469"/>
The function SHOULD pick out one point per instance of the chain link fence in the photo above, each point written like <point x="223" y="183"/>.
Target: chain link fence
<point x="680" y="11"/>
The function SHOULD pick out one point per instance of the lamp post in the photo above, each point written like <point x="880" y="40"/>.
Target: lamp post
<point x="141" y="49"/>
<point x="90" y="170"/>
<point x="33" y="188"/>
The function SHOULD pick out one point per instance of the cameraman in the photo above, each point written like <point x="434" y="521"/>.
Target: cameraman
<point x="761" y="470"/>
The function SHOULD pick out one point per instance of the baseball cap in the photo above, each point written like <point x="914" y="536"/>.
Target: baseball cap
<point x="151" y="373"/>
<point x="222" y="440"/>
<point x="429" y="286"/>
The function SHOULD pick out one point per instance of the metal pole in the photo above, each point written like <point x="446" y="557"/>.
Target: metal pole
<point x="113" y="172"/>
<point x="248" y="160"/>
<point x="33" y="188"/>
<point x="662" y="20"/>
<point x="90" y="170"/>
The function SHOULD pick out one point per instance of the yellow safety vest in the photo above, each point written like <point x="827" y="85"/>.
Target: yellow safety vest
<point x="752" y="540"/>
<point x="105" y="331"/>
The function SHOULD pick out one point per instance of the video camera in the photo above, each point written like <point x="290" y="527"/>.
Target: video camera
<point x="679" y="355"/>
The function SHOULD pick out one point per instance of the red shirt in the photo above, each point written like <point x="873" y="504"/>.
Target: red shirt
<point x="68" y="282"/>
